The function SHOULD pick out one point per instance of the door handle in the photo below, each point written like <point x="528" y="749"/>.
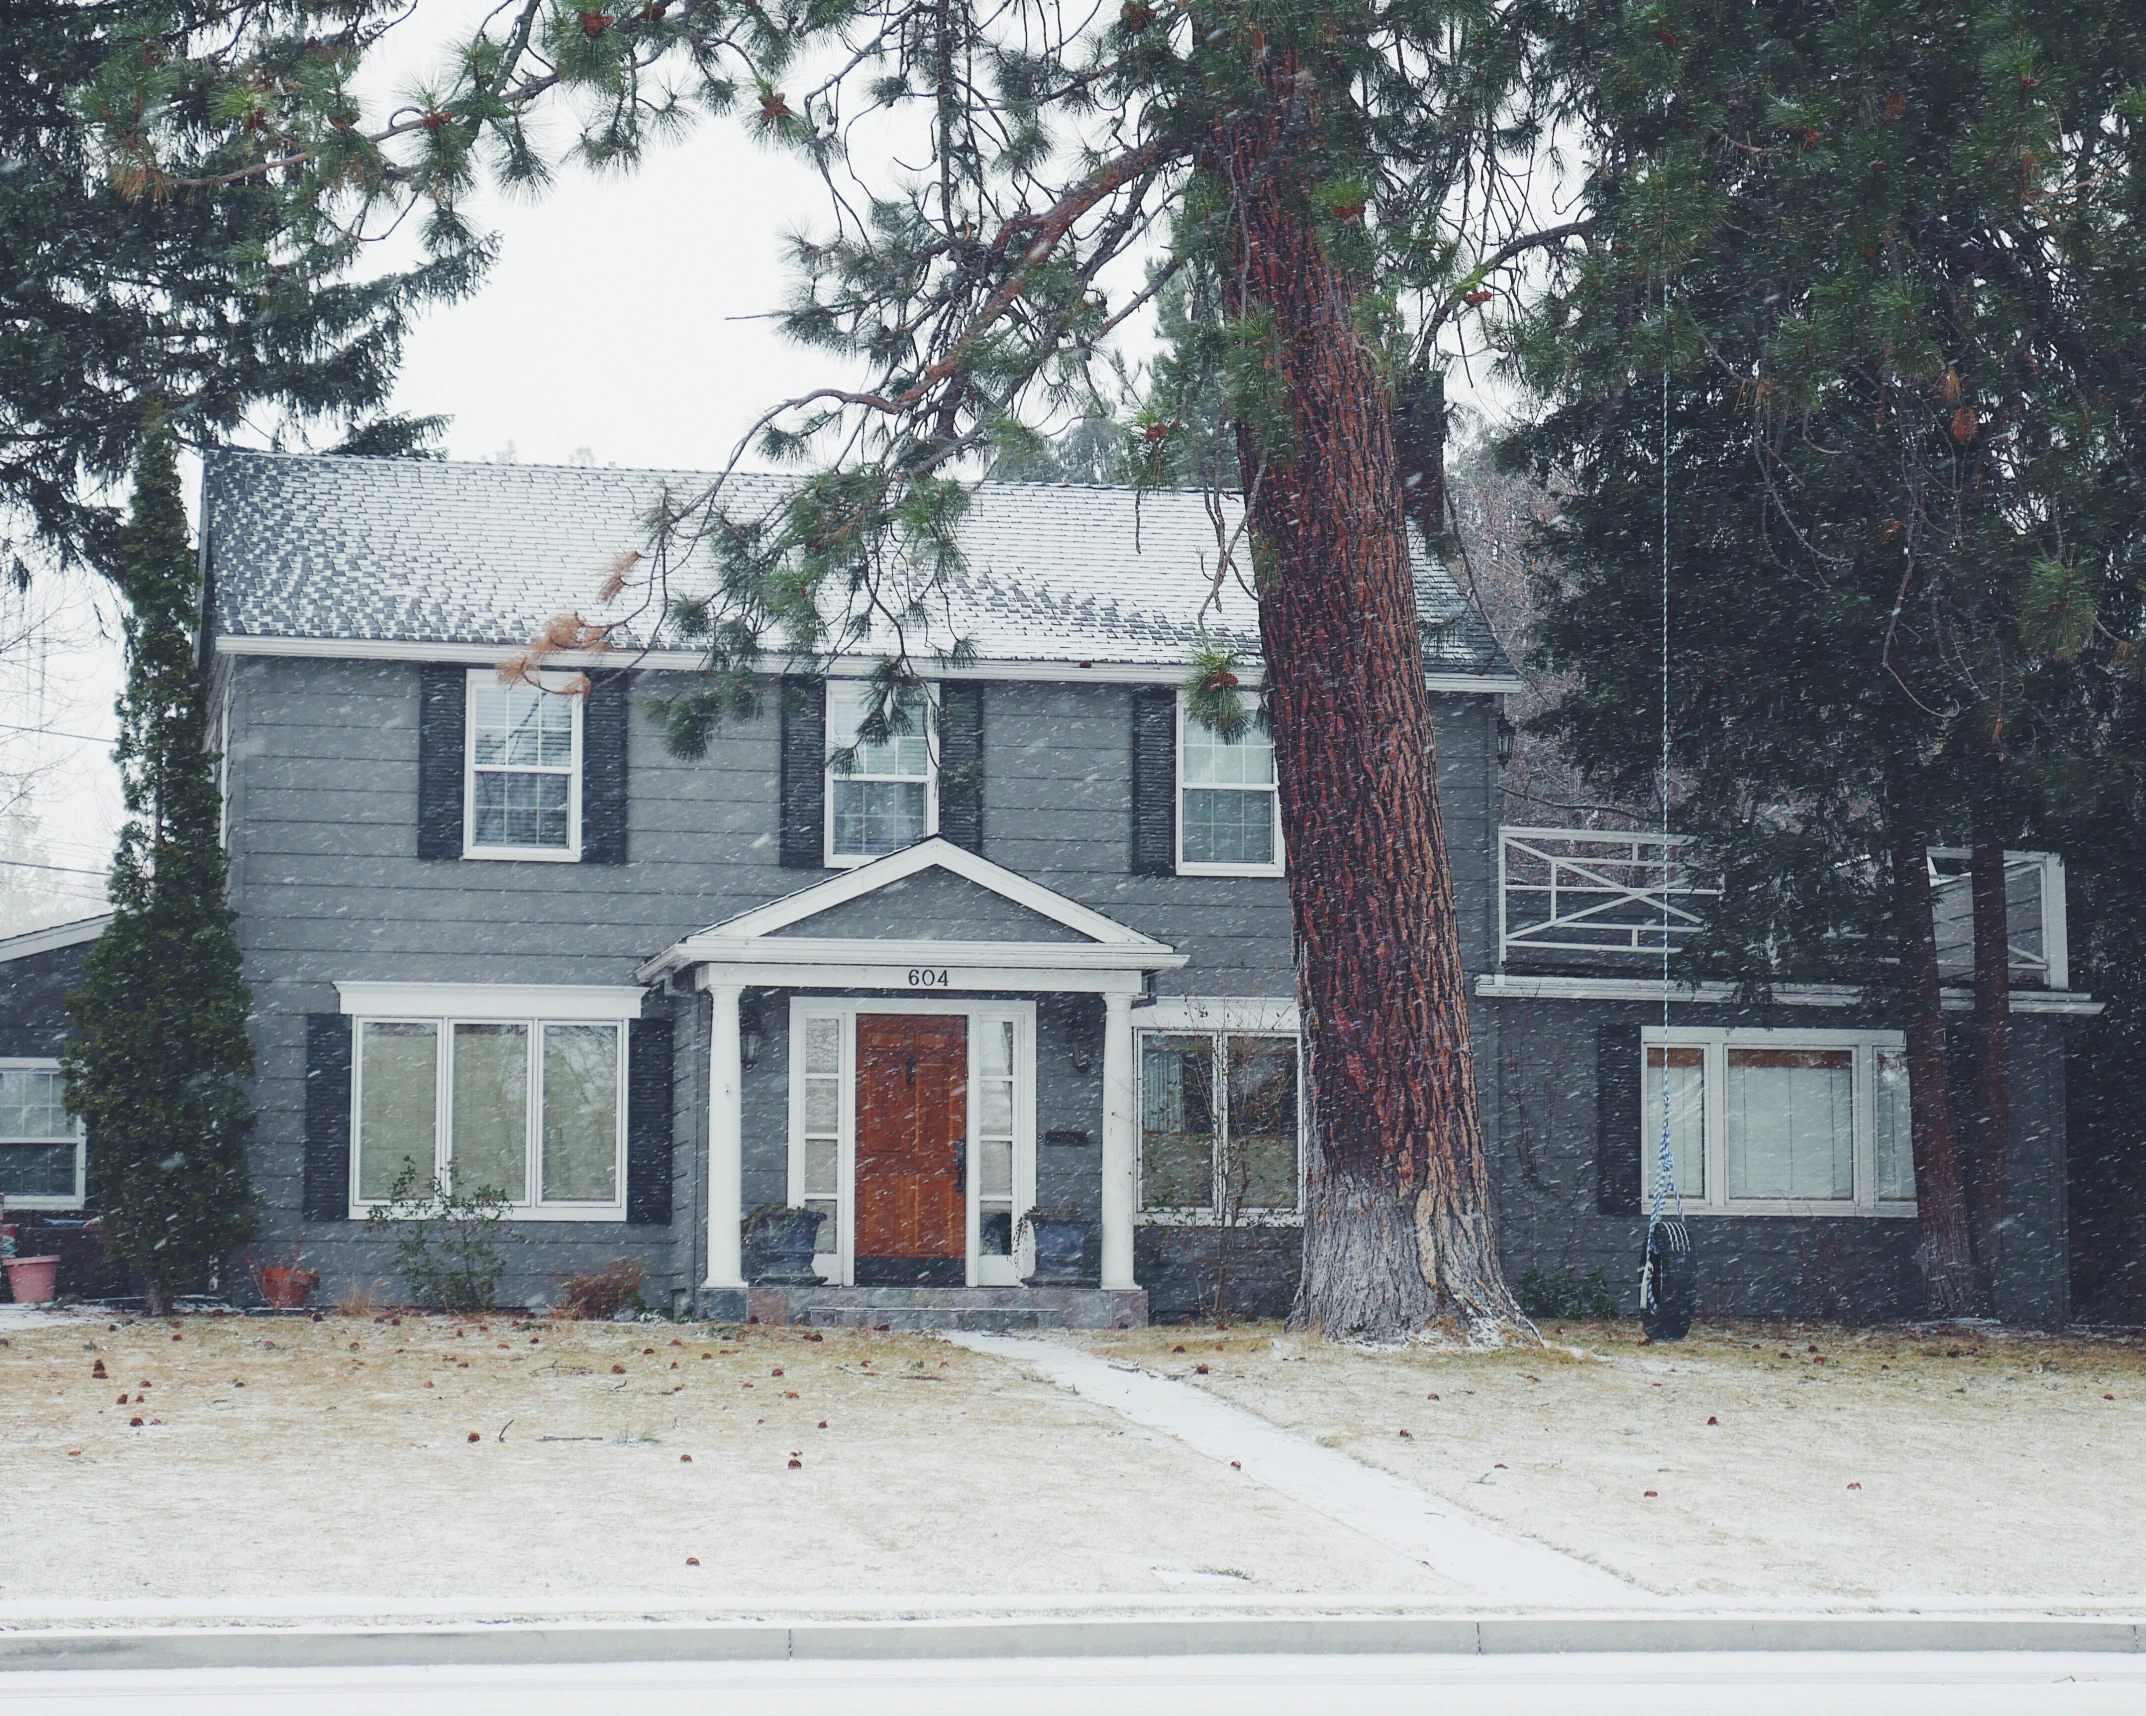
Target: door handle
<point x="961" y="1166"/>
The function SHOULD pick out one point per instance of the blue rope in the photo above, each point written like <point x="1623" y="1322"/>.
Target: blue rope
<point x="1665" y="1167"/>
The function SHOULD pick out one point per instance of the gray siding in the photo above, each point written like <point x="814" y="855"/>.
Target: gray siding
<point x="34" y="1021"/>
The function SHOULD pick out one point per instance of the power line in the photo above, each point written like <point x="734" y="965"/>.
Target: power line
<point x="58" y="733"/>
<point x="61" y="869"/>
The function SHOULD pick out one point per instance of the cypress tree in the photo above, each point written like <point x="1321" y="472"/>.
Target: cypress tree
<point x="160" y="1061"/>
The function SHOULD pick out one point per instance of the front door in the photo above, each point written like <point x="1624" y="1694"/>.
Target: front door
<point x="912" y="1149"/>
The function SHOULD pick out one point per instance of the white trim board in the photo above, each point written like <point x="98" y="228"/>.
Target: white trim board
<point x="1510" y="986"/>
<point x="561" y="1003"/>
<point x="1218" y="1013"/>
<point x="750" y="939"/>
<point x="59" y="935"/>
<point x="1072" y="672"/>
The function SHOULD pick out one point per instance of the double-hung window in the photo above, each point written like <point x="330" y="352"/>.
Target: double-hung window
<point x="1779" y="1122"/>
<point x="523" y="787"/>
<point x="41" y="1155"/>
<point x="1228" y="812"/>
<point x="882" y="794"/>
<point x="529" y="1110"/>
<point x="1219" y="1126"/>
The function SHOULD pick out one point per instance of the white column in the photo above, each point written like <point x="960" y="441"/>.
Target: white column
<point x="1118" y="1167"/>
<point x="726" y="1142"/>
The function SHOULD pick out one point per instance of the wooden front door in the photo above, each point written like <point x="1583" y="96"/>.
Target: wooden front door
<point x="912" y="1149"/>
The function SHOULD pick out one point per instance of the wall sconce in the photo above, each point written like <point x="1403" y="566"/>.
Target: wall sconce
<point x="1508" y="739"/>
<point x="750" y="1037"/>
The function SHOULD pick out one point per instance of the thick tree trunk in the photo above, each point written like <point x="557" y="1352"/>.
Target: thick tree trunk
<point x="1398" y="1225"/>
<point x="1993" y="1024"/>
<point x="1945" y="1252"/>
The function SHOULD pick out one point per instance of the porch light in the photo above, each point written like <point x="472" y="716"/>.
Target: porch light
<point x="749" y="1033"/>
<point x="1508" y="739"/>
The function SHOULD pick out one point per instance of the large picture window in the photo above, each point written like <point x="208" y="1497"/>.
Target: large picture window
<point x="41" y="1155"/>
<point x="882" y="794"/>
<point x="1779" y="1122"/>
<point x="1228" y="813"/>
<point x="1218" y="1126"/>
<point x="524" y="785"/>
<point x="531" y="1110"/>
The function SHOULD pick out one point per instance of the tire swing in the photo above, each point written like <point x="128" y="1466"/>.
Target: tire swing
<point x="1669" y="1273"/>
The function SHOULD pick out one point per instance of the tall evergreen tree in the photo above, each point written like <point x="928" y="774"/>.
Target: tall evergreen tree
<point x="1010" y="184"/>
<point x="1868" y="276"/>
<point x="160" y="1060"/>
<point x="217" y="300"/>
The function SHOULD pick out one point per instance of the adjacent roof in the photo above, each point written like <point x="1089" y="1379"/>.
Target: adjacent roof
<point x="425" y="551"/>
<point x="56" y="935"/>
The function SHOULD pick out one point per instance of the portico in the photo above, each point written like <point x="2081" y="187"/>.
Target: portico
<point x="906" y="993"/>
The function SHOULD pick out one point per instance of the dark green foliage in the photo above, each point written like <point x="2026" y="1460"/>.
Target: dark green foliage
<point x="1564" y="1295"/>
<point x="444" y="1235"/>
<point x="119" y="289"/>
<point x="1888" y="256"/>
<point x="160" y="1060"/>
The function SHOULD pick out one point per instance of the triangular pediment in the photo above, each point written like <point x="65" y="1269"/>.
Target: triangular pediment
<point x="933" y="891"/>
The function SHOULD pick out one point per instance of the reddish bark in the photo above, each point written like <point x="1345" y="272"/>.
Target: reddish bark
<point x="1946" y="1251"/>
<point x="1992" y="1118"/>
<point x="1398" y="1224"/>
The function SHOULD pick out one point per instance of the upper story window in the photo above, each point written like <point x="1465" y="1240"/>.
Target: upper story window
<point x="1228" y="813"/>
<point x="1780" y="1122"/>
<point x="524" y="785"/>
<point x="531" y="1110"/>
<point x="882" y="794"/>
<point x="41" y="1155"/>
<point x="1219" y="1126"/>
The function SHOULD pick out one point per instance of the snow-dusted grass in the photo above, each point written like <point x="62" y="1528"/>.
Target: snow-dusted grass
<point x="287" y="1465"/>
<point x="1895" y="1465"/>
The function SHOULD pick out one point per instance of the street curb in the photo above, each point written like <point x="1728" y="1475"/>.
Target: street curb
<point x="864" y="1641"/>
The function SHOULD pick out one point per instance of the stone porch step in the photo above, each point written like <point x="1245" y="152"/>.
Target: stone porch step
<point x="982" y="1310"/>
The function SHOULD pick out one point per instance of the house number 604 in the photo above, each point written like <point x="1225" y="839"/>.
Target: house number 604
<point x="925" y="977"/>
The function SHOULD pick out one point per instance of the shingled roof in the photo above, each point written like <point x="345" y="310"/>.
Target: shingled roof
<point x="426" y="551"/>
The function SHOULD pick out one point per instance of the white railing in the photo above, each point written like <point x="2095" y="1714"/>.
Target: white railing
<point x="1577" y="890"/>
<point x="1572" y="890"/>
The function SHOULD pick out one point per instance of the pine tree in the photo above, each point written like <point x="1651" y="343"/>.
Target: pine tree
<point x="159" y="1064"/>
<point x="1329" y="183"/>
<point x="1867" y="275"/>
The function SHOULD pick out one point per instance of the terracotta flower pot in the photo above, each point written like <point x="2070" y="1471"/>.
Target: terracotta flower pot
<point x="286" y="1289"/>
<point x="33" y="1280"/>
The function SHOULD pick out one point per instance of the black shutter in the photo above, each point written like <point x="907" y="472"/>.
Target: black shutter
<point x="1617" y="1151"/>
<point x="443" y="701"/>
<point x="327" y="1178"/>
<point x="648" y="1122"/>
<point x="961" y="764"/>
<point x="804" y="772"/>
<point x="1154" y="781"/>
<point x="603" y="768"/>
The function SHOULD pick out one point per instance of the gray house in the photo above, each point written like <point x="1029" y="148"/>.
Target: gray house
<point x="1033" y="956"/>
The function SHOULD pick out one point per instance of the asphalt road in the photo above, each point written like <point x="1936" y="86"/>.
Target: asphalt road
<point x="2038" y="1684"/>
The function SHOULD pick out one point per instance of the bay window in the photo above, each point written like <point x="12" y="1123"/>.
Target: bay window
<point x="1779" y="1122"/>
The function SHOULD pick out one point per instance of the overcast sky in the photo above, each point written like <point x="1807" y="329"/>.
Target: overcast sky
<point x="624" y="323"/>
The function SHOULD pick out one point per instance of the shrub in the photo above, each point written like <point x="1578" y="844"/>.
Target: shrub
<point x="1565" y="1294"/>
<point x="600" y="1297"/>
<point x="443" y="1239"/>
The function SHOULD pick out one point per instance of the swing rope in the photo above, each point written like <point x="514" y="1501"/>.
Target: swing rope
<point x="1665" y="1175"/>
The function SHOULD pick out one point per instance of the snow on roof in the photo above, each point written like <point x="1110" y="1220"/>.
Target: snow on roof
<point x="427" y="551"/>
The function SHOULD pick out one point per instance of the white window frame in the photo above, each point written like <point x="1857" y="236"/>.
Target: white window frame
<point x="840" y="1265"/>
<point x="47" y="1063"/>
<point x="1715" y="1043"/>
<point x="552" y="684"/>
<point x="1218" y="1027"/>
<point x="509" y="1006"/>
<point x="845" y="688"/>
<point x="1274" y="794"/>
